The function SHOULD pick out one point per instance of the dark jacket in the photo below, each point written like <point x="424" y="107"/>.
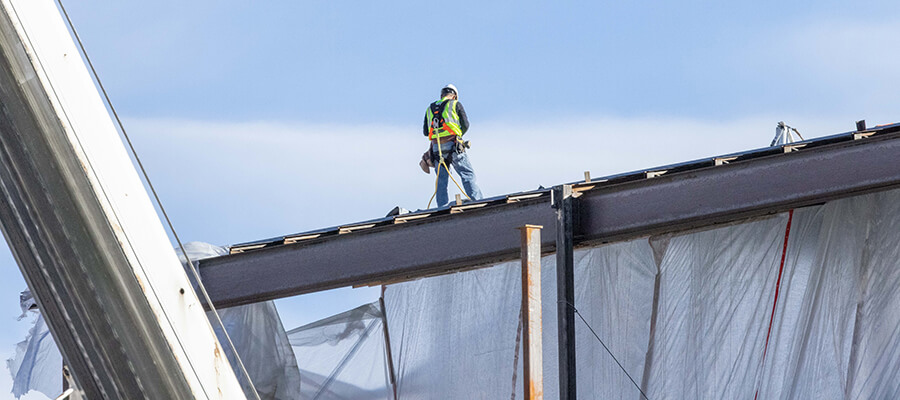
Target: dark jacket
<point x="463" y="120"/>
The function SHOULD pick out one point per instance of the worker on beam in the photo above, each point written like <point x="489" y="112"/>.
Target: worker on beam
<point x="445" y="124"/>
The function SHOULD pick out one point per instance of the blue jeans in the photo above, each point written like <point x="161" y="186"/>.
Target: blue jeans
<point x="460" y="162"/>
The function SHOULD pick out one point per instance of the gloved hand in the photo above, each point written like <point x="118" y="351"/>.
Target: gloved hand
<point x="461" y="146"/>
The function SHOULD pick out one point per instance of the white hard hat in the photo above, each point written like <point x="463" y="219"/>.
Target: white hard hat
<point x="451" y="87"/>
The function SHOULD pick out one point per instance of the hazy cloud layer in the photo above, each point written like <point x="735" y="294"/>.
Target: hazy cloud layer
<point x="232" y="182"/>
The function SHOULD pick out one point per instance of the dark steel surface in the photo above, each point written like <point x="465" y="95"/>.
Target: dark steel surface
<point x="381" y="254"/>
<point x="67" y="251"/>
<point x="687" y="195"/>
<point x="564" y="204"/>
<point x="739" y="190"/>
<point x="391" y="220"/>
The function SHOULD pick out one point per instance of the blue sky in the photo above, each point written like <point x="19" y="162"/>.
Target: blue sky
<point x="311" y="61"/>
<point x="257" y="119"/>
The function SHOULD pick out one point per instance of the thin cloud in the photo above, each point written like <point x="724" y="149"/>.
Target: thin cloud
<point x="824" y="67"/>
<point x="276" y="172"/>
<point x="858" y="48"/>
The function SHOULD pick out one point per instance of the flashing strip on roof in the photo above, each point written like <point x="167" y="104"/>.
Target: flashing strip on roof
<point x="295" y="239"/>
<point x="354" y="228"/>
<point x="516" y="198"/>
<point x="410" y="217"/>
<point x="243" y="248"/>
<point x="459" y="209"/>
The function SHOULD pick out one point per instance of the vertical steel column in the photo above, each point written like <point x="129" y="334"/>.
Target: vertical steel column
<point x="563" y="202"/>
<point x="533" y="360"/>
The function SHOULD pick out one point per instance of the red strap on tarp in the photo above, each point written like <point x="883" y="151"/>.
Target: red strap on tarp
<point x="787" y="233"/>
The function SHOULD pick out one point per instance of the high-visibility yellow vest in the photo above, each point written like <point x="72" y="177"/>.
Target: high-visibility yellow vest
<point x="443" y="120"/>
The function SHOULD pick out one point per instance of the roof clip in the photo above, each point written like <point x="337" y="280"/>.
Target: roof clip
<point x="723" y="160"/>
<point x="861" y="130"/>
<point x="792" y="147"/>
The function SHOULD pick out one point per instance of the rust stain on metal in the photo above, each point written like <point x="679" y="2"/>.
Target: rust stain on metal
<point x="217" y="361"/>
<point x="536" y="393"/>
<point x="533" y="386"/>
<point x="140" y="282"/>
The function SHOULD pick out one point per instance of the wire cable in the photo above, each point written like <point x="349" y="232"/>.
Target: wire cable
<point x="606" y="348"/>
<point x="516" y="354"/>
<point x="162" y="209"/>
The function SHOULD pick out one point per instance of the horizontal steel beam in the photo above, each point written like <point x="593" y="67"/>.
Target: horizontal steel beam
<point x="734" y="191"/>
<point x="668" y="199"/>
<point x="393" y="252"/>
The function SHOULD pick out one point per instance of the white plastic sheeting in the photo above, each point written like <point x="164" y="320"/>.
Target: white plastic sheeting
<point x="714" y="304"/>
<point x="38" y="363"/>
<point x="688" y="315"/>
<point x="454" y="335"/>
<point x="343" y="356"/>
<point x="838" y="330"/>
<point x="259" y="338"/>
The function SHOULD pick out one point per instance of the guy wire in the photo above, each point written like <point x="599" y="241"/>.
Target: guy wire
<point x="606" y="348"/>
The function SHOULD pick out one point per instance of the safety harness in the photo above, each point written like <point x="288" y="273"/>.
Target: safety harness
<point x="443" y="122"/>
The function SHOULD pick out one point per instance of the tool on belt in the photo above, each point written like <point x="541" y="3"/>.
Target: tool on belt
<point x="427" y="161"/>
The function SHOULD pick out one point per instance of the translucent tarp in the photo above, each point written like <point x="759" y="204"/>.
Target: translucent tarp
<point x="454" y="335"/>
<point x="689" y="315"/>
<point x="259" y="338"/>
<point x="343" y="356"/>
<point x="38" y="363"/>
